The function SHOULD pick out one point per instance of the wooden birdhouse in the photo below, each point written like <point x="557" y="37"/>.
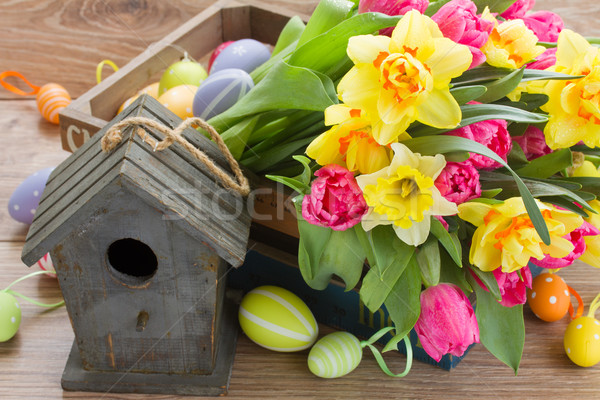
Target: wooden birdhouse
<point x="141" y="241"/>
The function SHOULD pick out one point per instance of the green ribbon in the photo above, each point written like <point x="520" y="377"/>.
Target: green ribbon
<point x="379" y="357"/>
<point x="29" y="299"/>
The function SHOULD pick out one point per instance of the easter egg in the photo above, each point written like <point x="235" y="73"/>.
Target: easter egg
<point x="549" y="297"/>
<point x="220" y="91"/>
<point x="179" y="100"/>
<point x="582" y="341"/>
<point x="184" y="72"/>
<point x="246" y="54"/>
<point x="216" y="52"/>
<point x="45" y="264"/>
<point x="335" y="355"/>
<point x="277" y="319"/>
<point x="10" y="316"/>
<point x="26" y="197"/>
<point x="150" y="90"/>
<point x="50" y="99"/>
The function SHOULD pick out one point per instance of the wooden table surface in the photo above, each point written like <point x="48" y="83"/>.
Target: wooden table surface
<point x="62" y="41"/>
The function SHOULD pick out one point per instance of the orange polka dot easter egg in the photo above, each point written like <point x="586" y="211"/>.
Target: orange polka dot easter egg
<point x="50" y="99"/>
<point x="549" y="297"/>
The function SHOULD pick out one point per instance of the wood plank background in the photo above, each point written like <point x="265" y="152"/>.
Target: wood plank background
<point x="62" y="41"/>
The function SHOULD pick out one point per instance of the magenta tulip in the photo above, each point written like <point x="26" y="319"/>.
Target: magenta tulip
<point x="447" y="323"/>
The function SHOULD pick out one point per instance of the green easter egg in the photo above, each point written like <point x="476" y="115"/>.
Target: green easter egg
<point x="185" y="72"/>
<point x="277" y="319"/>
<point x="335" y="355"/>
<point x="10" y="316"/>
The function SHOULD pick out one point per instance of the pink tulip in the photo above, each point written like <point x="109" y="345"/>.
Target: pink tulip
<point x="533" y="143"/>
<point x="518" y="9"/>
<point x="335" y="200"/>
<point x="513" y="289"/>
<point x="545" y="60"/>
<point x="545" y="24"/>
<point x="392" y="7"/>
<point x="577" y="238"/>
<point x="491" y="133"/>
<point x="459" y="182"/>
<point x="459" y="22"/>
<point x="447" y="323"/>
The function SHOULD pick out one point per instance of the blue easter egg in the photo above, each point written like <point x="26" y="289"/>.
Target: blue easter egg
<point x="246" y="54"/>
<point x="26" y="197"/>
<point x="220" y="91"/>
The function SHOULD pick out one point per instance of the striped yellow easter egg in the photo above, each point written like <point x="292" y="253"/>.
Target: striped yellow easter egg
<point x="335" y="355"/>
<point x="52" y="98"/>
<point x="277" y="319"/>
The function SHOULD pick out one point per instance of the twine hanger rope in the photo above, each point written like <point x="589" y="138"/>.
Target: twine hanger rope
<point x="114" y="136"/>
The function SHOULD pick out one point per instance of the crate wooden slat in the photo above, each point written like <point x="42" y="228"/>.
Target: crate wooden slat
<point x="223" y="21"/>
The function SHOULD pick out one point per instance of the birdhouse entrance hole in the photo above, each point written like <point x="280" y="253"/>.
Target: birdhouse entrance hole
<point x="131" y="261"/>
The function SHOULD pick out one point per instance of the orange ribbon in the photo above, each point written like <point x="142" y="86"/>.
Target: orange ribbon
<point x="14" y="89"/>
<point x="579" y="304"/>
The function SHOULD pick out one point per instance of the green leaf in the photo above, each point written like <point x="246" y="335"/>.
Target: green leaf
<point x="591" y="184"/>
<point x="326" y="15"/>
<point x="293" y="184"/>
<point x="290" y="33"/>
<point x="236" y="137"/>
<point x="490" y="193"/>
<point x="452" y="273"/>
<point x="480" y="74"/>
<point x="306" y="175"/>
<point x="313" y="241"/>
<point x="428" y="259"/>
<point x="443" y="144"/>
<point x="516" y="157"/>
<point x="453" y="248"/>
<point x="536" y="188"/>
<point x="363" y="238"/>
<point x="489" y="280"/>
<point x="501" y="87"/>
<point x="434" y="7"/>
<point x="391" y="258"/>
<point x="260" y="162"/>
<point x="464" y="94"/>
<point x="501" y="329"/>
<point x="472" y="113"/>
<point x="343" y="256"/>
<point x="564" y="203"/>
<point x="311" y="91"/>
<point x="496" y="6"/>
<point x="547" y="165"/>
<point x="540" y="75"/>
<point x="403" y="302"/>
<point x="326" y="53"/>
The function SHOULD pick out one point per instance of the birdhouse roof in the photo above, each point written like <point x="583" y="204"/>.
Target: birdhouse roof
<point x="171" y="180"/>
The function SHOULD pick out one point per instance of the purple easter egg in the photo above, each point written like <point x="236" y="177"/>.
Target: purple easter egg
<point x="220" y="91"/>
<point x="246" y="54"/>
<point x="26" y="197"/>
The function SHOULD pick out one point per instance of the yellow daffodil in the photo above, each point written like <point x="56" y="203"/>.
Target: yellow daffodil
<point x="403" y="195"/>
<point x="587" y="168"/>
<point x="511" y="44"/>
<point x="506" y="238"/>
<point x="574" y="105"/>
<point x="404" y="78"/>
<point x="591" y="255"/>
<point x="349" y="142"/>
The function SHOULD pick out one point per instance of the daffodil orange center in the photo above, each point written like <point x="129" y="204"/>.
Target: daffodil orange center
<point x="403" y="197"/>
<point x="403" y="74"/>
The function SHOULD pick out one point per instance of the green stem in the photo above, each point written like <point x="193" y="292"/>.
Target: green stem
<point x="292" y="119"/>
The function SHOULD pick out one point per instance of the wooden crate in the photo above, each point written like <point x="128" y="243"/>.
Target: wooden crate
<point x="223" y="21"/>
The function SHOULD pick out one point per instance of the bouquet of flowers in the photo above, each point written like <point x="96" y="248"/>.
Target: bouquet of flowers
<point x="447" y="143"/>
